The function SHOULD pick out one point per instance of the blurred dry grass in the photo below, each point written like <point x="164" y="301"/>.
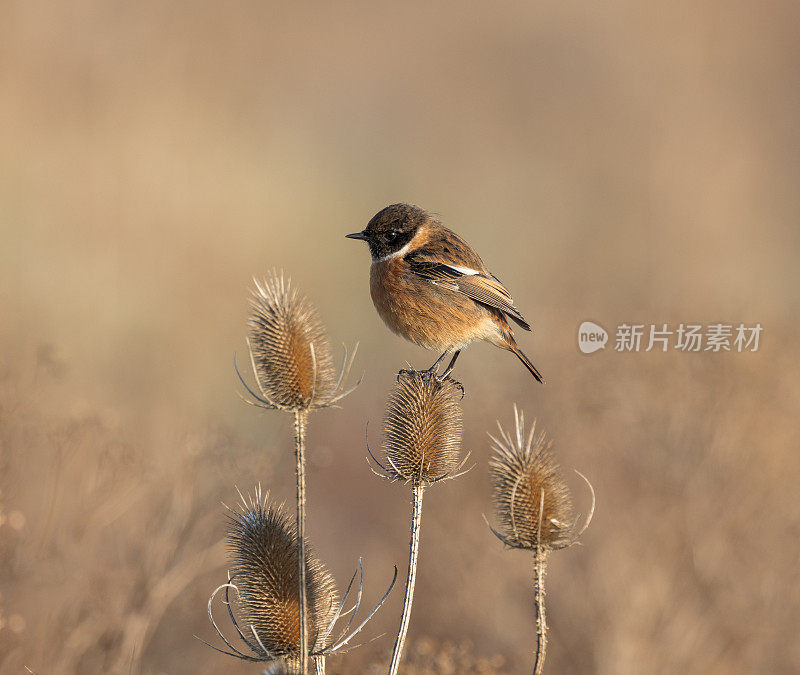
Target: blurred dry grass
<point x="620" y="162"/>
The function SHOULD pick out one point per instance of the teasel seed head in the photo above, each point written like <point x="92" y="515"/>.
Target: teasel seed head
<point x="531" y="499"/>
<point x="261" y="595"/>
<point x="262" y="542"/>
<point x="289" y="350"/>
<point x="422" y="429"/>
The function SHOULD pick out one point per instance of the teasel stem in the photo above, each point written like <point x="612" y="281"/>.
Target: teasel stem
<point x="319" y="665"/>
<point x="300" y="421"/>
<point x="408" y="598"/>
<point x="539" y="568"/>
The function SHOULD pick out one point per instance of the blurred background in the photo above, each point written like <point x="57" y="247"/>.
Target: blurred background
<point x="616" y="162"/>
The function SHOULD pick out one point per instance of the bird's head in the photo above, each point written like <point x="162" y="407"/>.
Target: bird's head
<point x="391" y="229"/>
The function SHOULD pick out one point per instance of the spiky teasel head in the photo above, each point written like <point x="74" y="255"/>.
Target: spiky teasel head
<point x="263" y="588"/>
<point x="262" y="542"/>
<point x="422" y="429"/>
<point x="289" y="351"/>
<point x="531" y="499"/>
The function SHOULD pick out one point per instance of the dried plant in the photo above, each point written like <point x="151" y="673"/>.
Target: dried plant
<point x="264" y="554"/>
<point x="293" y="368"/>
<point x="289" y="351"/>
<point x="531" y="499"/>
<point x="263" y="549"/>
<point x="533" y="505"/>
<point x="422" y="444"/>
<point x="422" y="429"/>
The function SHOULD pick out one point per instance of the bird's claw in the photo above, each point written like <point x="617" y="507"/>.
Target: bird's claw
<point x="432" y="373"/>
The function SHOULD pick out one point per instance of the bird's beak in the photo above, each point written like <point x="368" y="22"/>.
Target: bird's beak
<point x="356" y="235"/>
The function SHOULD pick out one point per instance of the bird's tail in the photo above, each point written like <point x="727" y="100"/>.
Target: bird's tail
<point x="512" y="347"/>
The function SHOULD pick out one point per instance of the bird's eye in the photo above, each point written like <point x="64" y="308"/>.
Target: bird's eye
<point x="391" y="235"/>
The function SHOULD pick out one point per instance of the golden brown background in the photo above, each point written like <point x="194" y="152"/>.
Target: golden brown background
<point x="621" y="162"/>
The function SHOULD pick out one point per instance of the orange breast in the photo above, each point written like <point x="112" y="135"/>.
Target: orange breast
<point x="426" y="314"/>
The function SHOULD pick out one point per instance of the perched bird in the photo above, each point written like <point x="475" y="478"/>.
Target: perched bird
<point x="431" y="287"/>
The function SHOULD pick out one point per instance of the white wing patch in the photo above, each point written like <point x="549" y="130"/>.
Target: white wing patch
<point x="466" y="271"/>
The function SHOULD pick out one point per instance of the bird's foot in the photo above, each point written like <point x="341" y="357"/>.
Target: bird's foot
<point x="431" y="372"/>
<point x="405" y="371"/>
<point x="461" y="387"/>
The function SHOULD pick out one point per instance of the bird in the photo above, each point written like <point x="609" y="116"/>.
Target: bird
<point x="432" y="288"/>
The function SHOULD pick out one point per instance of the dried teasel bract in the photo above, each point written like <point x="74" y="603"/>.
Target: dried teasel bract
<point x="263" y="588"/>
<point x="531" y="499"/>
<point x="289" y="350"/>
<point x="422" y="429"/>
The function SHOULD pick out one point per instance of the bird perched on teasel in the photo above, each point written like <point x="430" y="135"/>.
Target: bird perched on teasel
<point x="431" y="287"/>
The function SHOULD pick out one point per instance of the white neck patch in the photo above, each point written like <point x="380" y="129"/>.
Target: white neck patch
<point x="397" y="254"/>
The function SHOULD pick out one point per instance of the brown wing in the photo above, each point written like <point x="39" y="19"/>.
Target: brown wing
<point x="449" y="261"/>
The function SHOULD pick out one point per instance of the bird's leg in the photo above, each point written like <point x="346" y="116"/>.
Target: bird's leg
<point x="449" y="369"/>
<point x="433" y="368"/>
<point x="452" y="363"/>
